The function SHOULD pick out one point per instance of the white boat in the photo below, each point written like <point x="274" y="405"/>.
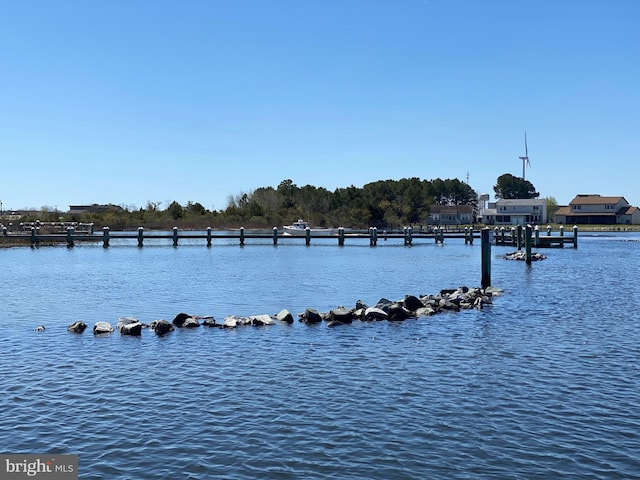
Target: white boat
<point x="299" y="229"/>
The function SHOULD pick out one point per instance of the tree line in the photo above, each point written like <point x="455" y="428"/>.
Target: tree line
<point x="383" y="204"/>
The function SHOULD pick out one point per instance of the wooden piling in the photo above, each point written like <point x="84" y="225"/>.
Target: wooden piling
<point x="575" y="236"/>
<point x="140" y="236"/>
<point x="527" y="244"/>
<point x="70" y="236"/>
<point x="486" y="258"/>
<point x="519" y="236"/>
<point x="536" y="234"/>
<point x="341" y="236"/>
<point x="175" y="236"/>
<point x="373" y="236"/>
<point x="208" y="236"/>
<point x="241" y="235"/>
<point x="105" y="237"/>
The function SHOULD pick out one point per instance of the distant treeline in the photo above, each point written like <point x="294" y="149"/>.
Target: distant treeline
<point x="383" y="204"/>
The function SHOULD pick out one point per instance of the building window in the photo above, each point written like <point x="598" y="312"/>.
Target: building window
<point x="575" y="207"/>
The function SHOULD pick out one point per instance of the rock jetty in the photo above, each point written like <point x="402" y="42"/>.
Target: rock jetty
<point x="522" y="255"/>
<point x="411" y="306"/>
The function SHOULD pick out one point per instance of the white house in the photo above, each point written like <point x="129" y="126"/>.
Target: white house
<point x="520" y="211"/>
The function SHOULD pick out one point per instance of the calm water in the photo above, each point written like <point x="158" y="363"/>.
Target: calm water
<point x="543" y="384"/>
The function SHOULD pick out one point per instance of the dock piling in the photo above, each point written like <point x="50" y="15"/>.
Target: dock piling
<point x="70" y="231"/>
<point x="575" y="236"/>
<point x="175" y="236"/>
<point x="486" y="258"/>
<point x="140" y="236"/>
<point x="341" y="236"/>
<point x="105" y="237"/>
<point x="208" y="236"/>
<point x="275" y="235"/>
<point x="241" y="235"/>
<point x="307" y="239"/>
<point x="527" y="244"/>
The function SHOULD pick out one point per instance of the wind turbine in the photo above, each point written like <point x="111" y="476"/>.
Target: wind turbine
<point x="525" y="159"/>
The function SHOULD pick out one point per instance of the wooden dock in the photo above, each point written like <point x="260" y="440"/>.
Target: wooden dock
<point x="407" y="235"/>
<point x="515" y="237"/>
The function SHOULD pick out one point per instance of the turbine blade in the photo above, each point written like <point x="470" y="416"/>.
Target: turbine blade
<point x="526" y="150"/>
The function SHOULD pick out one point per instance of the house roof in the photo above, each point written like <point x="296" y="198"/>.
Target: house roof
<point x="628" y="210"/>
<point x="595" y="200"/>
<point x="564" y="210"/>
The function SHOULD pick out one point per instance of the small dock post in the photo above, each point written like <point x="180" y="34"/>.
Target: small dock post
<point x="536" y="233"/>
<point x="374" y="237"/>
<point x="486" y="258"/>
<point x="562" y="230"/>
<point x="241" y="236"/>
<point x="519" y="236"/>
<point x="140" y="236"/>
<point x="175" y="236"/>
<point x="307" y="236"/>
<point x="341" y="236"/>
<point x="33" y="236"/>
<point x="208" y="236"/>
<point x="407" y="235"/>
<point x="548" y="230"/>
<point x="91" y="225"/>
<point x="70" y="231"/>
<point x="105" y="237"/>
<point x="275" y="235"/>
<point x="575" y="236"/>
<point x="466" y="235"/>
<point x="527" y="244"/>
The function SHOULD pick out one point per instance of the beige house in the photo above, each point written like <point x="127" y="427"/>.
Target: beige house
<point x="450" y="215"/>
<point x="598" y="210"/>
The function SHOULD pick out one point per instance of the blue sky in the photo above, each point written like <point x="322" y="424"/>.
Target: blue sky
<point x="131" y="101"/>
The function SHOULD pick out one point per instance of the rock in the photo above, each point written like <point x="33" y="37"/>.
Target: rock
<point x="425" y="312"/>
<point x="374" y="313"/>
<point x="383" y="302"/>
<point x="260" y="320"/>
<point x="360" y="305"/>
<point x="230" y="322"/>
<point x="284" y="316"/>
<point x="40" y="328"/>
<point x="209" y="322"/>
<point x="310" y="315"/>
<point x="77" y="327"/>
<point x="180" y="318"/>
<point x="412" y="303"/>
<point x="397" y="313"/>
<point x="161" y="327"/>
<point x="190" y="322"/>
<point x="129" y="326"/>
<point x="102" y="327"/>
<point x="341" y="315"/>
